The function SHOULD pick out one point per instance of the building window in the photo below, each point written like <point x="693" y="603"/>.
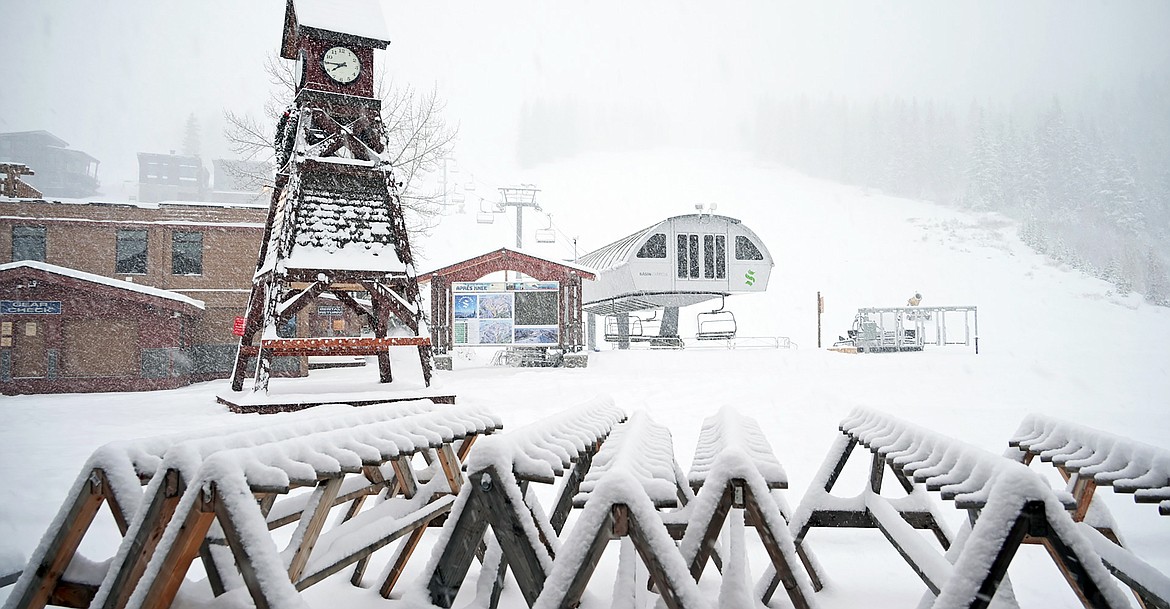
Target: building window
<point x="187" y="253"/>
<point x="131" y="252"/>
<point x="746" y="250"/>
<point x="706" y="262"/>
<point x="28" y="243"/>
<point x="655" y="247"/>
<point x="720" y="256"/>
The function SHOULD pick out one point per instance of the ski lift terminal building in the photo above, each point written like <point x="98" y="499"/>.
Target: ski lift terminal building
<point x="678" y="262"/>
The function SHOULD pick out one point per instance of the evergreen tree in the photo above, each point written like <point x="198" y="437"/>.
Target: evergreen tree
<point x="1157" y="286"/>
<point x="191" y="139"/>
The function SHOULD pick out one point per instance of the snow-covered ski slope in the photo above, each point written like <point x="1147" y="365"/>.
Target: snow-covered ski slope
<point x="1051" y="341"/>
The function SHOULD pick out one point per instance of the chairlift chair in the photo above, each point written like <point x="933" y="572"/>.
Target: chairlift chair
<point x="484" y="217"/>
<point x="718" y="324"/>
<point x="546" y="235"/>
<point x="633" y="324"/>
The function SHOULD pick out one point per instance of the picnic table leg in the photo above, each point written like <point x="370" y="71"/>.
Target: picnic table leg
<point x="771" y="539"/>
<point x="63" y="545"/>
<point x="160" y="508"/>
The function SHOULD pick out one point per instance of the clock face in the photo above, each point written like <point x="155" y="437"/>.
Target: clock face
<point x="341" y="64"/>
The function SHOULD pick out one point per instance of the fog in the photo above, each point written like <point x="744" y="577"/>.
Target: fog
<point x="118" y="77"/>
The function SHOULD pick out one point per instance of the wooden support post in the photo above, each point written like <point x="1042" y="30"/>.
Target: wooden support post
<point x="572" y="596"/>
<point x="399" y="565"/>
<point x="63" y="545"/>
<point x="488" y="505"/>
<point x="465" y="447"/>
<point x="452" y="468"/>
<point x="243" y="556"/>
<point x="113" y="503"/>
<point x="1066" y="560"/>
<point x="1083" y="490"/>
<point x="144" y="540"/>
<point x="711" y="534"/>
<point x="520" y="551"/>
<point x="214" y="578"/>
<point x="571" y="486"/>
<point x="784" y="571"/>
<point x="312" y="520"/>
<point x="876" y="469"/>
<point x="404" y="475"/>
<point x="381" y="330"/>
<point x="456" y="559"/>
<point x="185" y="547"/>
<point x="650" y="558"/>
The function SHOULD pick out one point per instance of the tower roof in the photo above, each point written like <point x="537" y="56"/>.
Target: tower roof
<point x="345" y="21"/>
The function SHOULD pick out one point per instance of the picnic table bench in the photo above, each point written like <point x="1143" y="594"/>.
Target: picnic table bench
<point x="1007" y="505"/>
<point x="1088" y="458"/>
<point x="115" y="473"/>
<point x="230" y="488"/>
<point x="561" y="445"/>
<point x="735" y="467"/>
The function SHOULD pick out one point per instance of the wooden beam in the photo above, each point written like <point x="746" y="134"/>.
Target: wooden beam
<point x="785" y="572"/>
<point x="711" y="533"/>
<point x="243" y="556"/>
<point x="451" y="467"/>
<point x="399" y="565"/>
<point x="159" y="510"/>
<point x="312" y="520"/>
<point x="572" y="485"/>
<point x="572" y="595"/>
<point x="658" y="574"/>
<point x="415" y="524"/>
<point x="63" y="545"/>
<point x="404" y="474"/>
<point x="519" y="550"/>
<point x="468" y="532"/>
<point x="182" y="550"/>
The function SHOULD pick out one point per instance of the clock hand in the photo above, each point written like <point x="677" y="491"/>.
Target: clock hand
<point x="338" y="65"/>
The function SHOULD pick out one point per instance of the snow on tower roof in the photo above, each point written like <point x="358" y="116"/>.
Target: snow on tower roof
<point x="341" y="225"/>
<point x="360" y="18"/>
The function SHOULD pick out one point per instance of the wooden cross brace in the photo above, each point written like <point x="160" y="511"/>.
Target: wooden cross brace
<point x="738" y="494"/>
<point x="489" y="504"/>
<point x="620" y="522"/>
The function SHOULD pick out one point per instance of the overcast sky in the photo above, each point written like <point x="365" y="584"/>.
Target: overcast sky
<point x="117" y="77"/>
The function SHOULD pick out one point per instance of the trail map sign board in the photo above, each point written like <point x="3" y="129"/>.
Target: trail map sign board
<point x="506" y="313"/>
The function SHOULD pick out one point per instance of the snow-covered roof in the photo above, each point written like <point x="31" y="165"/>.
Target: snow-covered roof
<point x="150" y="222"/>
<point x="342" y="225"/>
<point x="355" y="17"/>
<point x="108" y="281"/>
<point x="423" y="277"/>
<point x="619" y="252"/>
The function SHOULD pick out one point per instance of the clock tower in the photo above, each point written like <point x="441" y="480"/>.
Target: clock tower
<point x="335" y="224"/>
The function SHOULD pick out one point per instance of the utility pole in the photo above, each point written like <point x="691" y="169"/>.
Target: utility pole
<point x="520" y="197"/>
<point x="820" y="311"/>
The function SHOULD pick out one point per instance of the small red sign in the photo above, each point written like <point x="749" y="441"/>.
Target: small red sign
<point x="238" y="327"/>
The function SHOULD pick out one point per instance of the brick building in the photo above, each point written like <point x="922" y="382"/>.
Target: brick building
<point x="159" y="285"/>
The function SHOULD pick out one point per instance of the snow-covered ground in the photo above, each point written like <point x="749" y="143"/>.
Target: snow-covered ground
<point x="1051" y="341"/>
